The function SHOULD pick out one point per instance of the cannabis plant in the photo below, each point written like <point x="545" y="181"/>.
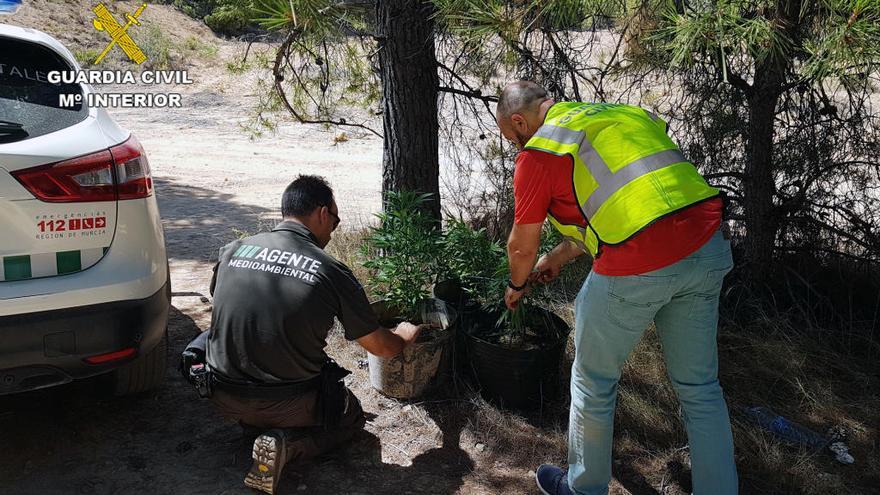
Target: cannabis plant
<point x="521" y="328"/>
<point x="473" y="259"/>
<point x="403" y="252"/>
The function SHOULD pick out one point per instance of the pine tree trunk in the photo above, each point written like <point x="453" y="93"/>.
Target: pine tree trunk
<point x="762" y="222"/>
<point x="408" y="66"/>
<point x="759" y="185"/>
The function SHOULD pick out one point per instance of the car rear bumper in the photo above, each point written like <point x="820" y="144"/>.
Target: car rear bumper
<point x="49" y="348"/>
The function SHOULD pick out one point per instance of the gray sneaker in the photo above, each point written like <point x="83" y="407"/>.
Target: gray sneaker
<point x="269" y="458"/>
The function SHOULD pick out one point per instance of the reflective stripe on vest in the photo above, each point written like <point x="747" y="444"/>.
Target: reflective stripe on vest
<point x="580" y="236"/>
<point x="642" y="177"/>
<point x="609" y="182"/>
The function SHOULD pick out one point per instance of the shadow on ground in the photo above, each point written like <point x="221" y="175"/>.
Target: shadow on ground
<point x="199" y="221"/>
<point x="75" y="439"/>
<point x="359" y="469"/>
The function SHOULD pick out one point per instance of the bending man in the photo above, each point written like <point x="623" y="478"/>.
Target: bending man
<point x="614" y="184"/>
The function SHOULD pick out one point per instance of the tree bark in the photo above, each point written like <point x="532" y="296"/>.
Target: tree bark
<point x="408" y="67"/>
<point x="759" y="185"/>
<point x="761" y="217"/>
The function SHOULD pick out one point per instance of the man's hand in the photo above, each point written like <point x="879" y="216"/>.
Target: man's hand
<point x="409" y="332"/>
<point x="512" y="297"/>
<point x="546" y="270"/>
<point x="388" y="342"/>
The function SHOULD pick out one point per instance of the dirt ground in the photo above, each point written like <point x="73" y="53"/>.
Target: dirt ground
<point x="212" y="183"/>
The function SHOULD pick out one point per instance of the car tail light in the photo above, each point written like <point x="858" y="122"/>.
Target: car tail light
<point x="132" y="170"/>
<point x="126" y="353"/>
<point x="122" y="172"/>
<point x="87" y="178"/>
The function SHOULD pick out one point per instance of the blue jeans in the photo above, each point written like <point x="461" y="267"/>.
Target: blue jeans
<point x="611" y="314"/>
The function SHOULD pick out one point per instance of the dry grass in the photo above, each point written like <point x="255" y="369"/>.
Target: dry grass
<point x="804" y="379"/>
<point x="795" y="375"/>
<point x="770" y="363"/>
<point x="345" y="245"/>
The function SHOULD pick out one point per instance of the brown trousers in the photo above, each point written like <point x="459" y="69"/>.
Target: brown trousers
<point x="298" y="417"/>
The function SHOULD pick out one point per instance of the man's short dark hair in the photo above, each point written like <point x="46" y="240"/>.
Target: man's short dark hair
<point x="304" y="195"/>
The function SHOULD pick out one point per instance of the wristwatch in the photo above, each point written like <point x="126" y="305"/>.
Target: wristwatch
<point x="517" y="287"/>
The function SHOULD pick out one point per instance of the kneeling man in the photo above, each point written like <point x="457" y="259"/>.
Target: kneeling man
<point x="276" y="295"/>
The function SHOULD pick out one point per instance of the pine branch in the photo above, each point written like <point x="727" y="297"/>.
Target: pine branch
<point x="282" y="59"/>
<point x="470" y="93"/>
<point x="567" y="62"/>
<point x="476" y="94"/>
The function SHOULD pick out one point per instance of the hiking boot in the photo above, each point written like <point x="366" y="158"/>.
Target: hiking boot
<point x="270" y="455"/>
<point x="552" y="480"/>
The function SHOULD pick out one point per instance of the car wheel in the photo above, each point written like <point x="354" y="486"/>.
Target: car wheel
<point x="145" y="373"/>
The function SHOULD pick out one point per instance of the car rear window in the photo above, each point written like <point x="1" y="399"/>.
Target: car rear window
<point x="29" y="104"/>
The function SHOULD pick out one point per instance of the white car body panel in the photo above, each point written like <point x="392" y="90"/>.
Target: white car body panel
<point x="128" y="261"/>
<point x="133" y="268"/>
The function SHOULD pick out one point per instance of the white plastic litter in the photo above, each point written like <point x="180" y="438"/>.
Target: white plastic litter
<point x="841" y="453"/>
<point x="436" y="313"/>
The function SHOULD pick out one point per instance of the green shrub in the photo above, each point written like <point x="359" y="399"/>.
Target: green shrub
<point x="157" y="47"/>
<point x="475" y="260"/>
<point x="230" y="18"/>
<point x="195" y="8"/>
<point x="86" y="56"/>
<point x="203" y="49"/>
<point x="403" y="252"/>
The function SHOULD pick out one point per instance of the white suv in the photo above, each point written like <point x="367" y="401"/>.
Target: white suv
<point x="84" y="282"/>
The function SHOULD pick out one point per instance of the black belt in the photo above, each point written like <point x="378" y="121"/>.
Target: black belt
<point x="266" y="391"/>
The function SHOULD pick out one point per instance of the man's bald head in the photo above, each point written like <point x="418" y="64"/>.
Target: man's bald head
<point x="521" y="110"/>
<point x="520" y="97"/>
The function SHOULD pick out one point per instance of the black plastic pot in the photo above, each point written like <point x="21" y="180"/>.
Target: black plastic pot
<point x="451" y="292"/>
<point x="515" y="378"/>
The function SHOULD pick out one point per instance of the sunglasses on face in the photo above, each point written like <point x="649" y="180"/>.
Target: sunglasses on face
<point x="336" y="223"/>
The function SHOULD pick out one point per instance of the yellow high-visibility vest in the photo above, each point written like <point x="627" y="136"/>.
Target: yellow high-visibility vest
<point x="627" y="171"/>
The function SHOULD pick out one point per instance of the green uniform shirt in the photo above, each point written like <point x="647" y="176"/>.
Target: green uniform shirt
<point x="275" y="297"/>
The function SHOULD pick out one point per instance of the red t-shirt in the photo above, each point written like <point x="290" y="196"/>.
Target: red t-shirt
<point x="542" y="184"/>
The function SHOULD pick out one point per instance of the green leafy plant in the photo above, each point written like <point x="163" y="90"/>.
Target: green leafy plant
<point x="227" y="17"/>
<point x="158" y="47"/>
<point x="203" y="49"/>
<point x="407" y="252"/>
<point x="512" y="326"/>
<point x="518" y="328"/>
<point x="403" y="252"/>
<point x="230" y="17"/>
<point x="86" y="56"/>
<point x="473" y="259"/>
<point x="480" y="266"/>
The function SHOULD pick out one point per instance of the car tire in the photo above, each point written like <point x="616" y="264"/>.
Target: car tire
<point x="144" y="373"/>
